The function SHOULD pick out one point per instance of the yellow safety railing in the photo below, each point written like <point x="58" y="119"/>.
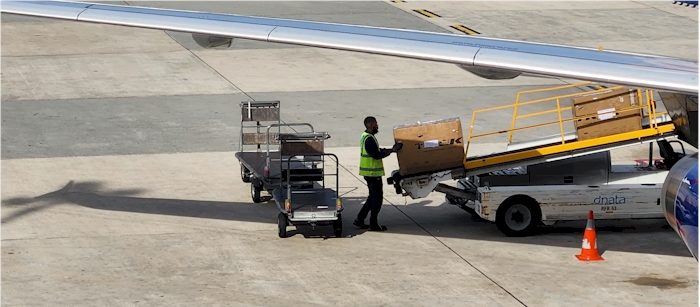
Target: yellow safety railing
<point x="518" y="103"/>
<point x="648" y="104"/>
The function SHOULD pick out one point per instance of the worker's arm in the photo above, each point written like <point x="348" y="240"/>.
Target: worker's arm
<point x="375" y="151"/>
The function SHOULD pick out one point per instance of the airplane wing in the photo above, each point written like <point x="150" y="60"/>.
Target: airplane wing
<point x="486" y="57"/>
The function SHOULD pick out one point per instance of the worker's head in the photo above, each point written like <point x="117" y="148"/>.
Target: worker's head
<point x="371" y="124"/>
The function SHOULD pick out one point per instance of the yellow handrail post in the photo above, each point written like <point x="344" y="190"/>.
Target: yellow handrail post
<point x="646" y="104"/>
<point x="561" y="125"/>
<point x="469" y="137"/>
<point x="653" y="108"/>
<point x="650" y="104"/>
<point x="515" y="113"/>
<point x="648" y="100"/>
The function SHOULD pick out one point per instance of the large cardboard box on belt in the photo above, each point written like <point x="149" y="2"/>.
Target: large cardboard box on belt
<point x="601" y="115"/>
<point x="430" y="146"/>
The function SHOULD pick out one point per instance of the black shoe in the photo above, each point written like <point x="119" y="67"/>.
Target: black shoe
<point x="360" y="224"/>
<point x="377" y="228"/>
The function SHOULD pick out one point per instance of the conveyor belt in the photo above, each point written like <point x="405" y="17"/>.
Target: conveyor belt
<point x="484" y="164"/>
<point x="524" y="156"/>
<point x="534" y="155"/>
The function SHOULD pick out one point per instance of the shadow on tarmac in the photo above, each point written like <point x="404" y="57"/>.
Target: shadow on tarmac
<point x="84" y="194"/>
<point x="440" y="221"/>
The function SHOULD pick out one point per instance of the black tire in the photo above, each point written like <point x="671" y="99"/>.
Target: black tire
<point x="255" y="192"/>
<point x="282" y="225"/>
<point x="338" y="226"/>
<point x="245" y="173"/>
<point x="518" y="217"/>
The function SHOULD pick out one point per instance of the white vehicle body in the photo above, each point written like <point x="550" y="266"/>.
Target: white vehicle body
<point x="559" y="203"/>
<point x="519" y="199"/>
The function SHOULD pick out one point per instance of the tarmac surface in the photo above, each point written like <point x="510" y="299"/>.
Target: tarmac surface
<point x="120" y="186"/>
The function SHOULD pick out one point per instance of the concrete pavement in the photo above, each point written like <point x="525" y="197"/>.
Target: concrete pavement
<point x="180" y="229"/>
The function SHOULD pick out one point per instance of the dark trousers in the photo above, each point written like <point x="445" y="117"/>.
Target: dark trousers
<point x="374" y="201"/>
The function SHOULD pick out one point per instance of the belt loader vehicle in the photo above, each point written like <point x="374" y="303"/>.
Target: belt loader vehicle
<point x="558" y="178"/>
<point x="519" y="199"/>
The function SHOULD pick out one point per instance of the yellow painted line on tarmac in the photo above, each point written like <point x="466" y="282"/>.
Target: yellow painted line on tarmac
<point x="464" y="29"/>
<point x="427" y="13"/>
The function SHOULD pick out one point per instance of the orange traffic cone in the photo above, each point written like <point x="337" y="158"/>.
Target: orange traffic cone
<point x="589" y="253"/>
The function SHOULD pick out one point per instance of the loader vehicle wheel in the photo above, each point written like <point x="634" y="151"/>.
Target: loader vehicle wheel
<point x="518" y="217"/>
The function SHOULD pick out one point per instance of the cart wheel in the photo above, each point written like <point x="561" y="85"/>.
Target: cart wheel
<point x="245" y="173"/>
<point x="255" y="193"/>
<point x="282" y="225"/>
<point x="338" y="226"/>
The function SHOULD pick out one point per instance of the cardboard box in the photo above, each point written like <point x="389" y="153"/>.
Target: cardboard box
<point x="591" y="103"/>
<point x="600" y="116"/>
<point x="430" y="146"/>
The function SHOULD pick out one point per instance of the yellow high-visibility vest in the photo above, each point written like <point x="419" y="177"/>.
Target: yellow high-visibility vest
<point x="369" y="166"/>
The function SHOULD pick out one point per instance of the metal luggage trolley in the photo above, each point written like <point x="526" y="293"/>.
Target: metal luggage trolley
<point x="303" y="197"/>
<point x="256" y="111"/>
<point x="293" y="174"/>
